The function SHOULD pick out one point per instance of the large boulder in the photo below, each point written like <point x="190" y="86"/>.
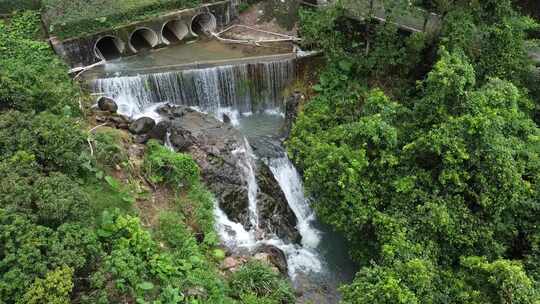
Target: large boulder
<point x="142" y="125"/>
<point x="107" y="104"/>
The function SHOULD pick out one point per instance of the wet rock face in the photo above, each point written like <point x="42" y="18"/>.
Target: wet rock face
<point x="142" y="125"/>
<point x="211" y="143"/>
<point x="291" y="112"/>
<point x="218" y="149"/>
<point x="274" y="212"/>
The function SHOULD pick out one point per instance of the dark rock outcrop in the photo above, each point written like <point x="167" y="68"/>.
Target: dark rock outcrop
<point x="221" y="152"/>
<point x="273" y="255"/>
<point x="291" y="112"/>
<point x="142" y="125"/>
<point x="274" y="212"/>
<point x="107" y="104"/>
<point x="159" y="132"/>
<point x="212" y="144"/>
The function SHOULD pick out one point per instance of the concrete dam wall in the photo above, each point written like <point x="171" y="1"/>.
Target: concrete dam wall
<point x="171" y="28"/>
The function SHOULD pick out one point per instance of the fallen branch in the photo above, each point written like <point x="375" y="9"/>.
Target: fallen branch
<point x="81" y="70"/>
<point x="89" y="139"/>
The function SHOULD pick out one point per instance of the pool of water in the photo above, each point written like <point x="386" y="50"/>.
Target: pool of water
<point x="193" y="52"/>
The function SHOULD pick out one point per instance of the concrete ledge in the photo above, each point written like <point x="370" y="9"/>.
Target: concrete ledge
<point x="207" y="64"/>
<point x="85" y="51"/>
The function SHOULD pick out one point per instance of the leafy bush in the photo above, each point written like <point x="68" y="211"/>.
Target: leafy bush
<point x="52" y="139"/>
<point x="140" y="268"/>
<point x="54" y="289"/>
<point x="255" y="282"/>
<point x="49" y="200"/>
<point x="30" y="251"/>
<point x="165" y="166"/>
<point x="436" y="193"/>
<point x="32" y="76"/>
<point x="108" y="147"/>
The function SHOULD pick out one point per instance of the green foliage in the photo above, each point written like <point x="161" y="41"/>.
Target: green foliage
<point x="139" y="267"/>
<point x="30" y="251"/>
<point x="48" y="199"/>
<point x="71" y="18"/>
<point x="254" y="283"/>
<point x="54" y="289"/>
<point x="32" y="77"/>
<point x="8" y="6"/>
<point x="108" y="147"/>
<point x="435" y="193"/>
<point x="501" y="281"/>
<point x="165" y="166"/>
<point x="54" y="141"/>
<point x="493" y="38"/>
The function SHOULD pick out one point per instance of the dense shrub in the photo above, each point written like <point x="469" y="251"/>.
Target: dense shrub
<point x="165" y="166"/>
<point x="32" y="77"/>
<point x="56" y="142"/>
<point x="8" y="6"/>
<point x="140" y="268"/>
<point x="30" y="251"/>
<point x="255" y="282"/>
<point x="435" y="192"/>
<point x="49" y="200"/>
<point x="54" y="289"/>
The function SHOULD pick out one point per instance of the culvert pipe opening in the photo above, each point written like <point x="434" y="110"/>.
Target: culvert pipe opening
<point x="109" y="48"/>
<point x="203" y="24"/>
<point x="174" y="31"/>
<point x="143" y="39"/>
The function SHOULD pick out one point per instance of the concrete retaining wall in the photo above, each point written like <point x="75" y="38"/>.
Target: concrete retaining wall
<point x="133" y="38"/>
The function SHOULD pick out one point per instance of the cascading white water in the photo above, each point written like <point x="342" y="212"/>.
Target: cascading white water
<point x="245" y="158"/>
<point x="291" y="183"/>
<point x="244" y="88"/>
<point x="236" y="91"/>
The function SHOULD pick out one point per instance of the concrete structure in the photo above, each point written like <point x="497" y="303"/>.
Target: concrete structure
<point x="170" y="28"/>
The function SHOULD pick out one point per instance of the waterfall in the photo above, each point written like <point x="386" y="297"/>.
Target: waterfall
<point x="236" y="91"/>
<point x="291" y="183"/>
<point x="243" y="88"/>
<point x="246" y="161"/>
<point x="300" y="258"/>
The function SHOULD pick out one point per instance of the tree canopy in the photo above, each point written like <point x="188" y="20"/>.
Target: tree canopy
<point x="433" y="177"/>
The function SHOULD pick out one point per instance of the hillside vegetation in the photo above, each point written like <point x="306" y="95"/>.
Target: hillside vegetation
<point x="83" y="218"/>
<point x="425" y="152"/>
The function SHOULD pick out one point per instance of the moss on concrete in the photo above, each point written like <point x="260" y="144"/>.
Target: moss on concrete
<point x="75" y="18"/>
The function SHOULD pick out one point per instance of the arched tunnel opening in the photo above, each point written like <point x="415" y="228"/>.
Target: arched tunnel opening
<point x="203" y="24"/>
<point x="109" y="48"/>
<point x="174" y="31"/>
<point x="143" y="39"/>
